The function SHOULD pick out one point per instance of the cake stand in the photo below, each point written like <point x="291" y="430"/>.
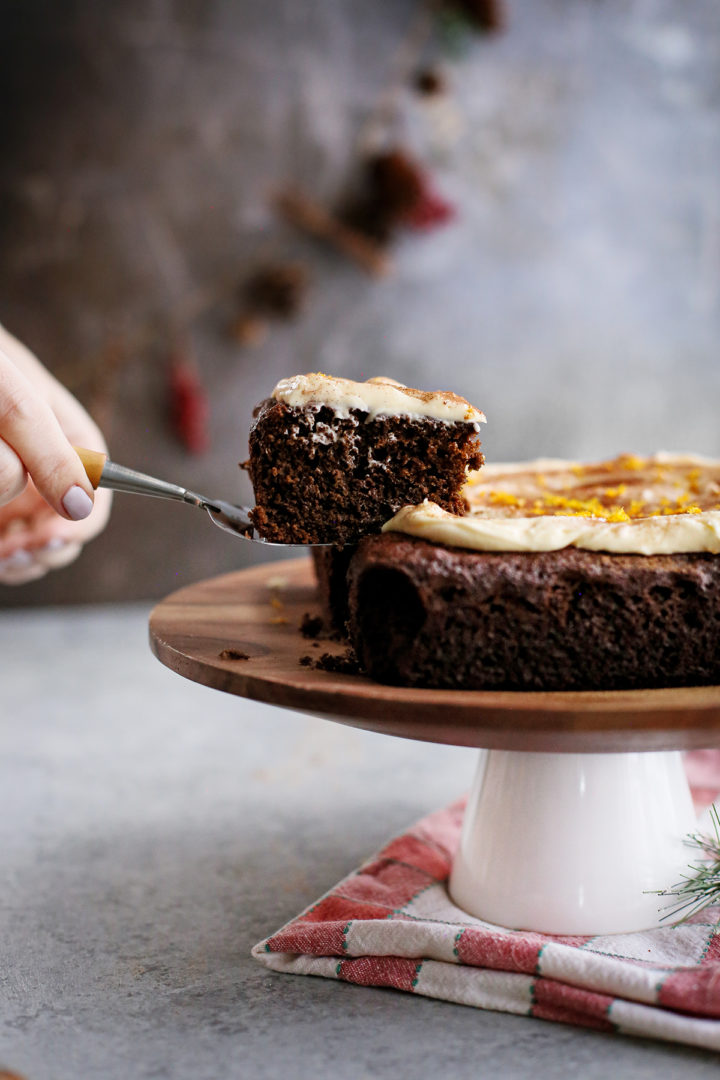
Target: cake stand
<point x="580" y="802"/>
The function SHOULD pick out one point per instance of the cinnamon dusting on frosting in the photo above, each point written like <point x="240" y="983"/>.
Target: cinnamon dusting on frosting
<point x="379" y="396"/>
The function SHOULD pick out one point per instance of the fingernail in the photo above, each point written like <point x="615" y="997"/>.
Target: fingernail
<point x="77" y="503"/>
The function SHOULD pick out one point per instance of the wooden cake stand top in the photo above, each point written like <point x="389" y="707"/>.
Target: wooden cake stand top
<point x="258" y="612"/>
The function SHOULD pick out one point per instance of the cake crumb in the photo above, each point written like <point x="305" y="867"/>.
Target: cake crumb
<point x="339" y="664"/>
<point x="311" y="626"/>
<point x="232" y="654"/>
<point x="344" y="663"/>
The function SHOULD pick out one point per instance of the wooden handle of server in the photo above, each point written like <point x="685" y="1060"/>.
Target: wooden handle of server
<point x="93" y="463"/>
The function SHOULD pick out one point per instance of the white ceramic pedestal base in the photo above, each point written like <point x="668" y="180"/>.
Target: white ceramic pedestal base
<point x="570" y="843"/>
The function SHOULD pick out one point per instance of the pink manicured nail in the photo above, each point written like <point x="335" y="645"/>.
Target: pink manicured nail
<point x="77" y="503"/>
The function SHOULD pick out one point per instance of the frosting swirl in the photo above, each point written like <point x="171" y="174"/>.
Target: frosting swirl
<point x="658" y="505"/>
<point x="379" y="396"/>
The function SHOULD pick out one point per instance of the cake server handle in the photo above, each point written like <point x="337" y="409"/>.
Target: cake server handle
<point x="102" y="472"/>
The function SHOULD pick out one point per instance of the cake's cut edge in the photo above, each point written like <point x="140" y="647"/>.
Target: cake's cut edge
<point x="332" y="468"/>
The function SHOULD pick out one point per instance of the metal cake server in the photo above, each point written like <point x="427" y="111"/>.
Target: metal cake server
<point x="102" y="472"/>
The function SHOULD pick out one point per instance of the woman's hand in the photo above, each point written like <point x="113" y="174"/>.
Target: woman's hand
<point x="47" y="506"/>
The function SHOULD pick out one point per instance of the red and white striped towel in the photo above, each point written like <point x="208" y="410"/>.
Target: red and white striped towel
<point x="392" y="923"/>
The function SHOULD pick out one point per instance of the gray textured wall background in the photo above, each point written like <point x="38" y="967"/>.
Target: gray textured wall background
<point x="576" y="299"/>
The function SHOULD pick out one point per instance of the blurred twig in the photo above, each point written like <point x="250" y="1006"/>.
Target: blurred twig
<point x="311" y="217"/>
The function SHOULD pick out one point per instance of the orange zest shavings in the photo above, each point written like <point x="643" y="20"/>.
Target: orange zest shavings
<point x="624" y="490"/>
<point x="632" y="462"/>
<point x="504" y="498"/>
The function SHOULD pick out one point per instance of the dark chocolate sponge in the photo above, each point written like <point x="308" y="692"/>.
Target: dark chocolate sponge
<point x="426" y="615"/>
<point x="331" y="567"/>
<point x="321" y="478"/>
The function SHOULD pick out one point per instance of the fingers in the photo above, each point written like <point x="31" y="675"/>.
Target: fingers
<point x="30" y="430"/>
<point x="13" y="474"/>
<point x="34" y="540"/>
<point x="20" y="568"/>
<point x="24" y="566"/>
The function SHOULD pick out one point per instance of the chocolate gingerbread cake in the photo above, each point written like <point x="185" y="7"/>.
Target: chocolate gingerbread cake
<point x="332" y="460"/>
<point x="561" y="576"/>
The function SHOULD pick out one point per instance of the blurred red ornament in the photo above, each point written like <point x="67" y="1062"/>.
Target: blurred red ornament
<point x="396" y="192"/>
<point x="430" y="211"/>
<point x="189" y="405"/>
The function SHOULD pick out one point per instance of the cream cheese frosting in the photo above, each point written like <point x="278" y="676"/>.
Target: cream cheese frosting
<point x="658" y="505"/>
<point x="379" y="396"/>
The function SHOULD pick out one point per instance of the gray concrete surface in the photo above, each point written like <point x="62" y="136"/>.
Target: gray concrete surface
<point x="153" y="830"/>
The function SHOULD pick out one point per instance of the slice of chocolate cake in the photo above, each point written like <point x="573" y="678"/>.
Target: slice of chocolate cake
<point x="332" y="460"/>
<point x="561" y="577"/>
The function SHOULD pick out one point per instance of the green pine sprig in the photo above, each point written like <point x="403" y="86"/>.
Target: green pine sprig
<point x="701" y="887"/>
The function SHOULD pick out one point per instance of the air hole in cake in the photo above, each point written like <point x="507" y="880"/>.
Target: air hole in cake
<point x="391" y="612"/>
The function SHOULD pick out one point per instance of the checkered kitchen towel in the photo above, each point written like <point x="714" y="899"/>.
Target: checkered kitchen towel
<point x="392" y="923"/>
